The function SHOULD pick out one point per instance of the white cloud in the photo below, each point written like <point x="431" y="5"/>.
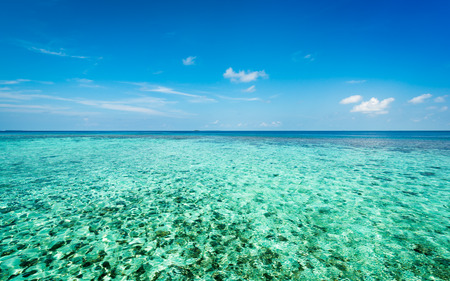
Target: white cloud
<point x="271" y="124"/>
<point x="18" y="81"/>
<point x="43" y="109"/>
<point x="309" y="57"/>
<point x="243" y="76"/>
<point x="440" y="109"/>
<point x="189" y="60"/>
<point x="123" y="107"/>
<point x="19" y="96"/>
<point x="420" y="99"/>
<point x="356" y="81"/>
<point x="43" y="49"/>
<point x="5" y="89"/>
<point x="160" y="89"/>
<point x="299" y="56"/>
<point x="147" y="100"/>
<point x="85" y="83"/>
<point x="28" y="106"/>
<point x="48" y="52"/>
<point x="12" y="82"/>
<point x="241" y="99"/>
<point x="351" y="99"/>
<point x="373" y="106"/>
<point x="59" y="53"/>
<point x="440" y="99"/>
<point x="83" y="80"/>
<point x="165" y="90"/>
<point x="250" y="89"/>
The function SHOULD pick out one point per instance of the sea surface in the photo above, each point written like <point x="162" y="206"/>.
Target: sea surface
<point x="225" y="205"/>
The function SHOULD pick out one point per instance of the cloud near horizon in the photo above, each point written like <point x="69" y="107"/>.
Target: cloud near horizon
<point x="420" y="99"/>
<point x="373" y="106"/>
<point x="271" y="124"/>
<point x="243" y="76"/>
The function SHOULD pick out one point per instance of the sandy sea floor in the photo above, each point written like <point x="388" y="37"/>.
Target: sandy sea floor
<point x="211" y="207"/>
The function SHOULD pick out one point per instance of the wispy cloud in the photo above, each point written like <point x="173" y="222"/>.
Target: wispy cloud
<point x="440" y="99"/>
<point x="18" y="81"/>
<point x="300" y="56"/>
<point x="61" y="52"/>
<point x="440" y="109"/>
<point x="420" y="99"/>
<point x="90" y="86"/>
<point x="250" y="89"/>
<point x="83" y="80"/>
<point x="309" y="57"/>
<point x="243" y="76"/>
<point x="12" y="82"/>
<point x="5" y="89"/>
<point x="85" y="83"/>
<point x="43" y="109"/>
<point x="373" y="106"/>
<point x="356" y="81"/>
<point x="156" y="102"/>
<point x="130" y="105"/>
<point x="19" y="96"/>
<point x="123" y="107"/>
<point x="47" y="50"/>
<point x="165" y="90"/>
<point x="351" y="99"/>
<point x="189" y="60"/>
<point x="271" y="124"/>
<point x="241" y="99"/>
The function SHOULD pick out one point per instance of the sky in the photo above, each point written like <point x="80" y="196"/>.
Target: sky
<point x="224" y="65"/>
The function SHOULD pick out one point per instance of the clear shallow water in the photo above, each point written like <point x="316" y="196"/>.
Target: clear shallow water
<point x="225" y="206"/>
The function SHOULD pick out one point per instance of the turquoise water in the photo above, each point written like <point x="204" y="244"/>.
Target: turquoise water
<point x="225" y="206"/>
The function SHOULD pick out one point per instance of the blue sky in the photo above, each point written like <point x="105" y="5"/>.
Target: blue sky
<point x="224" y="65"/>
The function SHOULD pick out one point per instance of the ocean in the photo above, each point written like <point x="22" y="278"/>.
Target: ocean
<point x="225" y="205"/>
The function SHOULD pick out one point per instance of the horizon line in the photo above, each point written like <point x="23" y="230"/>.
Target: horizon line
<point x="5" y="131"/>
